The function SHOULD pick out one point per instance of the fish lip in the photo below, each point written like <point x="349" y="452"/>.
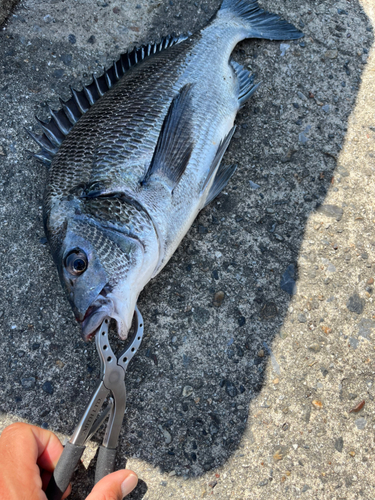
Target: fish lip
<point x="100" y="309"/>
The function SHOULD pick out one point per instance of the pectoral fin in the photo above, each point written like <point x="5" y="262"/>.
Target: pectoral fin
<point x="175" y="143"/>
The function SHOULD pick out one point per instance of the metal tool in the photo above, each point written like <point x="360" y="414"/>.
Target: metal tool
<point x="112" y="384"/>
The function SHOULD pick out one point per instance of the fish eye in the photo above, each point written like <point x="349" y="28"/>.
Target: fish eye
<point x="76" y="262"/>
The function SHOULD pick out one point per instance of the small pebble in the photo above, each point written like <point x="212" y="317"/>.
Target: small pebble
<point x="253" y="185"/>
<point x="317" y="404"/>
<point x="283" y="48"/>
<point x="187" y="391"/>
<point x="58" y="73"/>
<point x="353" y="342"/>
<point x="287" y="282"/>
<point x="166" y="434"/>
<point x="302" y="138"/>
<point x="314" y="347"/>
<point x="218" y="298"/>
<point x="355" y="304"/>
<point x="360" y="423"/>
<point x="358" y="407"/>
<point x="28" y="382"/>
<point x="72" y="39"/>
<point x="231" y="389"/>
<point x="47" y="387"/>
<point x="66" y="58"/>
<point x="302" y="318"/>
<point x="331" y="211"/>
<point x="241" y="321"/>
<point x="331" y="54"/>
<point x="339" y="444"/>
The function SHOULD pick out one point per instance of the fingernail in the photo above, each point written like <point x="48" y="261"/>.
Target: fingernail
<point x="129" y="484"/>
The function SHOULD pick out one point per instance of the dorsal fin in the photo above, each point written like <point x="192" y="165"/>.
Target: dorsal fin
<point x="63" y="120"/>
<point x="175" y="143"/>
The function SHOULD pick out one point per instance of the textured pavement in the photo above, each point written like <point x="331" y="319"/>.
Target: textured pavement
<point x="260" y="332"/>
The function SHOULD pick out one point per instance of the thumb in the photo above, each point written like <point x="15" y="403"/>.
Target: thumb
<point x="115" y="486"/>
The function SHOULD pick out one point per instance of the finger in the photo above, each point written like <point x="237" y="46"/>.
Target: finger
<point x="115" y="486"/>
<point x="27" y="444"/>
<point x="23" y="448"/>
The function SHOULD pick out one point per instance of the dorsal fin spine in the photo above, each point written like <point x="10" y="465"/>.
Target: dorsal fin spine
<point x="107" y="79"/>
<point x="116" y="70"/>
<point x="64" y="127"/>
<point x="52" y="135"/>
<point x="69" y="113"/>
<point x="122" y="65"/>
<point x="43" y="142"/>
<point x="80" y="99"/>
<point x="88" y="95"/>
<point x="63" y="120"/>
<point x="98" y="86"/>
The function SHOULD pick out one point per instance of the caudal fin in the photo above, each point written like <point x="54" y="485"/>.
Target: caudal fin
<point x="260" y="24"/>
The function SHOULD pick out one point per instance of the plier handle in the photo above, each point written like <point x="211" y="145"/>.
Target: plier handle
<point x="112" y="384"/>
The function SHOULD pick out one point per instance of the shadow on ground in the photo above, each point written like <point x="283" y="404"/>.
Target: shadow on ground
<point x="203" y="358"/>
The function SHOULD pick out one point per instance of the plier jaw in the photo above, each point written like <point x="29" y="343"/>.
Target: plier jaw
<point x="112" y="385"/>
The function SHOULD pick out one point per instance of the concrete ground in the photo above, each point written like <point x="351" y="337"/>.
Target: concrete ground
<point x="266" y="389"/>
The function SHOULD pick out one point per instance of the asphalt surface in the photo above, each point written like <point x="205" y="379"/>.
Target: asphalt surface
<point x="259" y="346"/>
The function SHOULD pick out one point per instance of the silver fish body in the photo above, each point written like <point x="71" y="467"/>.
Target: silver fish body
<point x="128" y="178"/>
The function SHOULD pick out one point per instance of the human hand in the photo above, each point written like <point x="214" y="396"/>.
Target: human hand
<point x="28" y="456"/>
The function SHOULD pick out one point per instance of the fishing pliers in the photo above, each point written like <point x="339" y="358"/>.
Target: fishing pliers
<point x="112" y="385"/>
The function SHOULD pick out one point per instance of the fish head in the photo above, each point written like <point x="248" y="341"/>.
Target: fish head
<point x="98" y="268"/>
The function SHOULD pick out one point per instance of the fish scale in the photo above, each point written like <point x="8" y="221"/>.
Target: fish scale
<point x="136" y="154"/>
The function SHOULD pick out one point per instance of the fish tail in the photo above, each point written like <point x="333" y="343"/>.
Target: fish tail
<point x="257" y="22"/>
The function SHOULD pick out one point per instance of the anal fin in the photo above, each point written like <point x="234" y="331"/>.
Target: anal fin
<point x="222" y="177"/>
<point x="245" y="81"/>
<point x="222" y="173"/>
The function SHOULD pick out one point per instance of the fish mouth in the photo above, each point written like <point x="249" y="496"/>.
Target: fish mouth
<point x="100" y="309"/>
<point x="109" y="304"/>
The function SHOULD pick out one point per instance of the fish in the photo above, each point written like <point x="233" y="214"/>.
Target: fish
<point x="134" y="156"/>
